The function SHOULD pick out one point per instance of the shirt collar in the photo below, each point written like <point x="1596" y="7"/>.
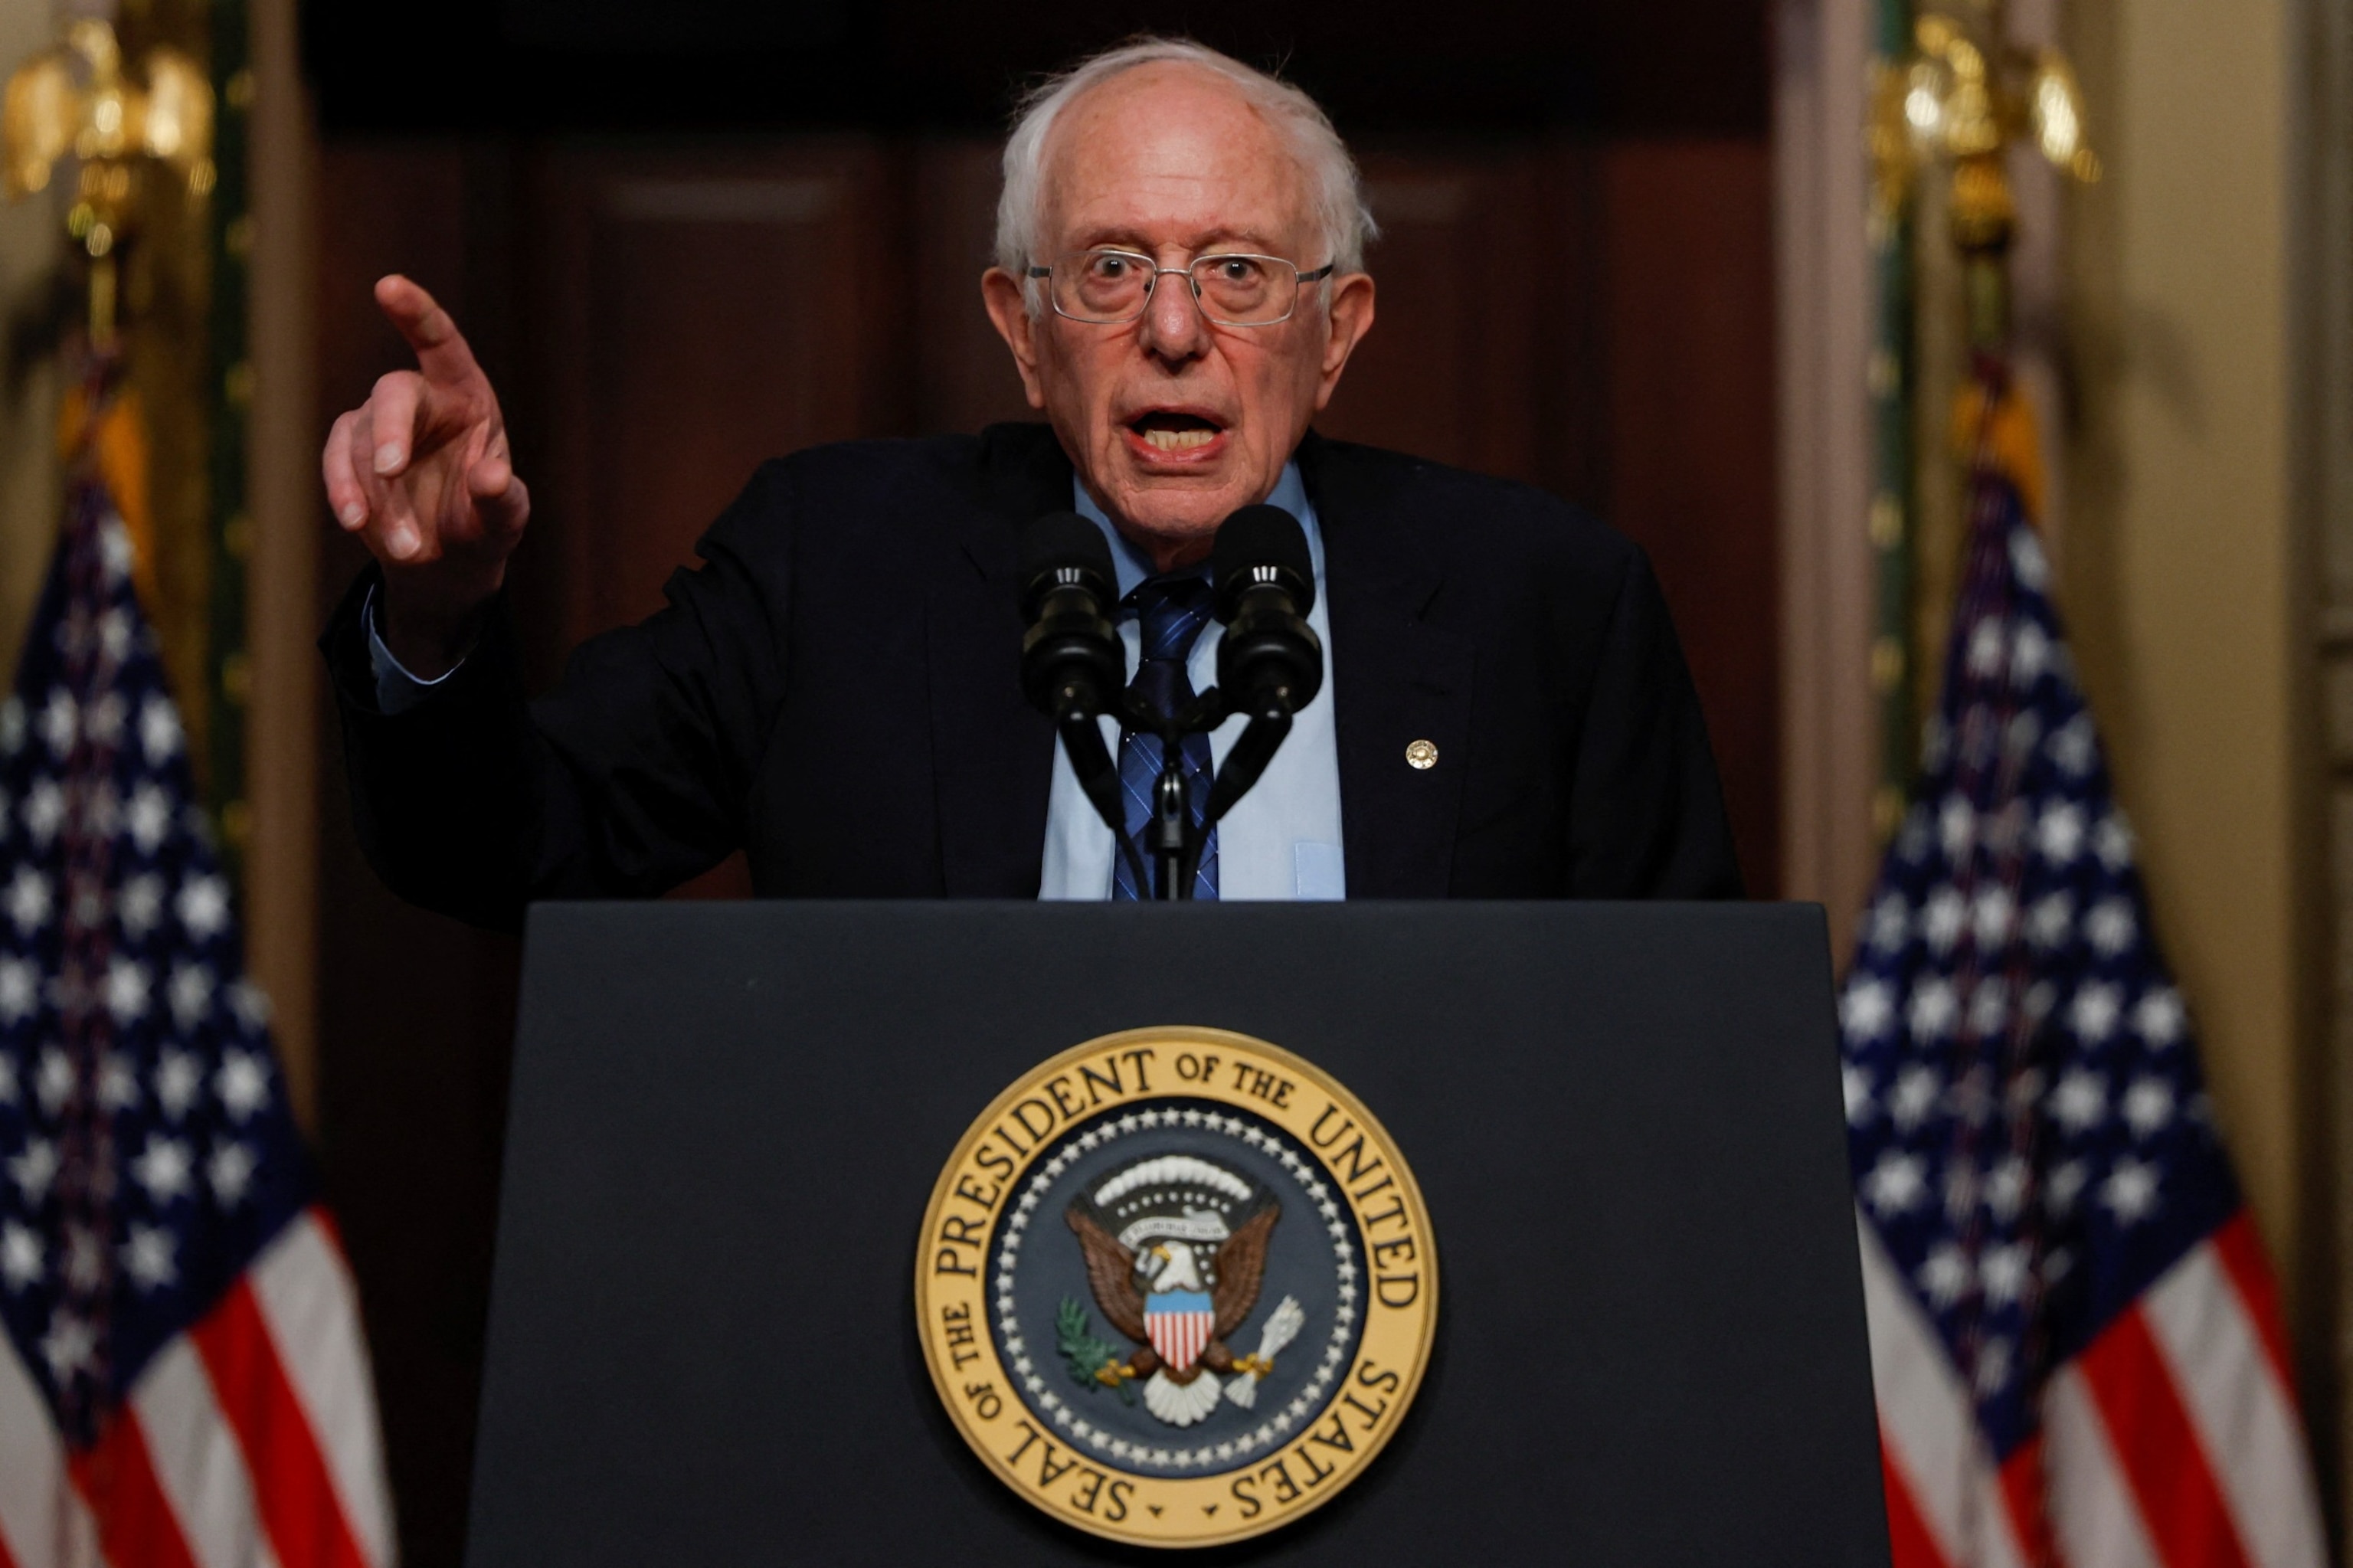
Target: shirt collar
<point x="1134" y="566"/>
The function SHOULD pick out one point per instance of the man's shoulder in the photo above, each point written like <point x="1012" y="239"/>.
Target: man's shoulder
<point x="881" y="466"/>
<point x="888" y="493"/>
<point x="1457" y="514"/>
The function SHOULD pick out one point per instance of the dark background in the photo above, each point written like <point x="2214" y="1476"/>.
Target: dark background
<point x="1618" y="66"/>
<point x="661" y="226"/>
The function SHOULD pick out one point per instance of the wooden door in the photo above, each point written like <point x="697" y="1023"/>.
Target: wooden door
<point x="698" y="311"/>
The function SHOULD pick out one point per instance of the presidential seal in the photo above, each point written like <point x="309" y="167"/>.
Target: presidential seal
<point x="1177" y="1286"/>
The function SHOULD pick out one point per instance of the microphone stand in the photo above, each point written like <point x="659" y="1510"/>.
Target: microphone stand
<point x="1176" y="848"/>
<point x="1082" y="742"/>
<point x="1252" y="751"/>
<point x="1175" y="844"/>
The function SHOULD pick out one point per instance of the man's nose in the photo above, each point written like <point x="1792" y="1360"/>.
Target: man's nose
<point x="1171" y="328"/>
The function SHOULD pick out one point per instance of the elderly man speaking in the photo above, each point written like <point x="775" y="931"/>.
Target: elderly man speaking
<point x="836" y="689"/>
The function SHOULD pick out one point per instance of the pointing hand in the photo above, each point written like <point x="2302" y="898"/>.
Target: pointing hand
<point x="422" y="473"/>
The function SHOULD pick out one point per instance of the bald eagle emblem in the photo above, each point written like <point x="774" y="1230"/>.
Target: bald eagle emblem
<point x="1175" y="1252"/>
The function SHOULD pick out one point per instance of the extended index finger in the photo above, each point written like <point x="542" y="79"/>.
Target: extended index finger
<point x="440" y="347"/>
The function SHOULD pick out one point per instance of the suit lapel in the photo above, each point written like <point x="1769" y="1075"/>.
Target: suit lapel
<point x="992" y="754"/>
<point x="1398" y="681"/>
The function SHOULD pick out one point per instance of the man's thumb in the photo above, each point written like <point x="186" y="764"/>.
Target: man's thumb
<point x="498" y="496"/>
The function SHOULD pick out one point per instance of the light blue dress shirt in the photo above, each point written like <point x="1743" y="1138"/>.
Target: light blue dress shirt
<point x="1281" y="841"/>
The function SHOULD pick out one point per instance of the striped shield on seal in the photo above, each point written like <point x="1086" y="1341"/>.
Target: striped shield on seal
<point x="1180" y="1322"/>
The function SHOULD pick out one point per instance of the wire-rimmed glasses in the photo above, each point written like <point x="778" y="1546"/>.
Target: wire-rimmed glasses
<point x="1105" y="287"/>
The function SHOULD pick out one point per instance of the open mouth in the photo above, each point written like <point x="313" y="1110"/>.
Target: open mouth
<point x="1168" y="431"/>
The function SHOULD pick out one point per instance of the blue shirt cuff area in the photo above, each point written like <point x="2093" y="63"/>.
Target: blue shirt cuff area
<point x="397" y="690"/>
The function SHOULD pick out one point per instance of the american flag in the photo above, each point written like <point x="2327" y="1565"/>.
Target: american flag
<point x="182" y="1381"/>
<point x="2074" y="1335"/>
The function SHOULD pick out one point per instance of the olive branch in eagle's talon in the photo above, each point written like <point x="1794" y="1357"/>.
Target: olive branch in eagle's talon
<point x="1096" y="1363"/>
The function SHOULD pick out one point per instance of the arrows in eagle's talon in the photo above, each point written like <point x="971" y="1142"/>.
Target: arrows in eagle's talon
<point x="1282" y="1327"/>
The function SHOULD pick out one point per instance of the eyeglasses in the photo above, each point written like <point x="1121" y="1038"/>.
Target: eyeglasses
<point x="1110" y="288"/>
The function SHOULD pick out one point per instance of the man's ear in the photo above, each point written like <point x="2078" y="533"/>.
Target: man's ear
<point x="1351" y="315"/>
<point x="1001" y="292"/>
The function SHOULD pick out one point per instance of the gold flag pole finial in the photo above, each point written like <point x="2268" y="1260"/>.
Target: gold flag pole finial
<point x="1963" y="97"/>
<point x="75" y="101"/>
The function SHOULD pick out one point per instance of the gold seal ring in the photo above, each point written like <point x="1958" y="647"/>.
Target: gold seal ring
<point x="1177" y="1286"/>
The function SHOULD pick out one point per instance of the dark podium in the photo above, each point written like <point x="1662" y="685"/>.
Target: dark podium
<point x="1625" y="1119"/>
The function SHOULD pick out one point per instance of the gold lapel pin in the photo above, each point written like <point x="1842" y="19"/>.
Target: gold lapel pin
<point x="1422" y="754"/>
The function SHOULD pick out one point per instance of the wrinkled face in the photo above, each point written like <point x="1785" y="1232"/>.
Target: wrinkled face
<point x="1171" y="422"/>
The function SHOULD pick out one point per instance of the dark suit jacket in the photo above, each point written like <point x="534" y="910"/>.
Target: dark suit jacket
<point x="835" y="691"/>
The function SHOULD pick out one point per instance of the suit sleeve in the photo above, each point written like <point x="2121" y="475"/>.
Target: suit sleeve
<point x="1646" y="817"/>
<point x="630" y="777"/>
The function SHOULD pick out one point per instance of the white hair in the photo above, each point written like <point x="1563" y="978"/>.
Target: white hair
<point x="1342" y="220"/>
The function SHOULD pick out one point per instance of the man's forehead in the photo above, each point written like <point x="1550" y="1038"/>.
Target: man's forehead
<point x="1171" y="152"/>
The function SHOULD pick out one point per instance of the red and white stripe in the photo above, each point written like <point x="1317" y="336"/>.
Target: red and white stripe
<point x="1179" y="1337"/>
<point x="2172" y="1441"/>
<point x="249" y="1441"/>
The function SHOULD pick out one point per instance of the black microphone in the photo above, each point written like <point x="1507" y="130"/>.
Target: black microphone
<point x="1271" y="662"/>
<point x="1072" y="667"/>
<point x="1270" y="659"/>
<point x="1070" y="658"/>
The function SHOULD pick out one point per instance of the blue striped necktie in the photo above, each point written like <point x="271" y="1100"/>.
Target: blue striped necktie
<point x="1171" y="611"/>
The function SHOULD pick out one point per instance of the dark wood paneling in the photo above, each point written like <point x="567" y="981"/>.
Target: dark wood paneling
<point x="1481" y="353"/>
<point x="1687" y="231"/>
<point x="416" y="1011"/>
<point x="707" y="309"/>
<point x="965" y="377"/>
